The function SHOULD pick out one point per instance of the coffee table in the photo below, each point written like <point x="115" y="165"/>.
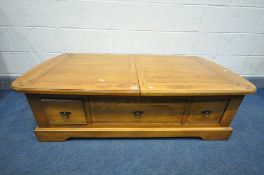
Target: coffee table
<point x="111" y="95"/>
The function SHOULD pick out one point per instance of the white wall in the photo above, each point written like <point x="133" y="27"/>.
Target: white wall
<point x="230" y="32"/>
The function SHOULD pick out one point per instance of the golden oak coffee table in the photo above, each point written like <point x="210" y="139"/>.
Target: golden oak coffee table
<point x="106" y="95"/>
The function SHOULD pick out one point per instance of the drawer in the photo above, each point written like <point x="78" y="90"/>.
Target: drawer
<point x="64" y="111"/>
<point x="206" y="110"/>
<point x="137" y="110"/>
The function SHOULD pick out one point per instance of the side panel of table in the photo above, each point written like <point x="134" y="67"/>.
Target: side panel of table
<point x="61" y="117"/>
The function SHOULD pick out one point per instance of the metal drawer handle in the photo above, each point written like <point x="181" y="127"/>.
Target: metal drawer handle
<point x="138" y="114"/>
<point x="206" y="114"/>
<point x="65" y="114"/>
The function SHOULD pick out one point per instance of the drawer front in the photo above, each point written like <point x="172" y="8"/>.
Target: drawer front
<point x="64" y="111"/>
<point x="131" y="110"/>
<point x="207" y="110"/>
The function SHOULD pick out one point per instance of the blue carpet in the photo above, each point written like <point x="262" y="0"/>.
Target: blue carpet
<point x="21" y="153"/>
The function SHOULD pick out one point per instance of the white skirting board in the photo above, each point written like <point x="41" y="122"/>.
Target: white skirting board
<point x="258" y="80"/>
<point x="6" y="80"/>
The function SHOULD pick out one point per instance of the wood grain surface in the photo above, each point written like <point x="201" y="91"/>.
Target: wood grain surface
<point x="122" y="110"/>
<point x="131" y="75"/>
<point x="62" y="134"/>
<point x="53" y="108"/>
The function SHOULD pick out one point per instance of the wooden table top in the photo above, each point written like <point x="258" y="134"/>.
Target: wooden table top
<point x="131" y="75"/>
